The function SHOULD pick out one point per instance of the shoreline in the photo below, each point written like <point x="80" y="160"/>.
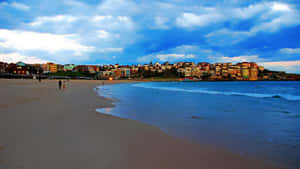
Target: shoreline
<point x="188" y="141"/>
<point x="45" y="128"/>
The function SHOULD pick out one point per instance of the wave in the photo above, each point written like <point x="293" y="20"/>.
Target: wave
<point x="205" y="91"/>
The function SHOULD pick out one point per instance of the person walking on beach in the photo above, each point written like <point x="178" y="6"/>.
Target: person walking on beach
<point x="64" y="84"/>
<point x="59" y="84"/>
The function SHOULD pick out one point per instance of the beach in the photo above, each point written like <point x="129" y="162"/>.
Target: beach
<point x="42" y="127"/>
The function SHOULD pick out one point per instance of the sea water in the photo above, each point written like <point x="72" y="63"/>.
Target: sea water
<point x="260" y="119"/>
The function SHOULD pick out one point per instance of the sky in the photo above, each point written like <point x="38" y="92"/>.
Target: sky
<point x="140" y="31"/>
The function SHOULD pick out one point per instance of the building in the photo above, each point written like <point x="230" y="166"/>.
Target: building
<point x="105" y="74"/>
<point x="38" y="68"/>
<point x="49" y="67"/>
<point x="253" y="74"/>
<point x="52" y="67"/>
<point x="146" y="67"/>
<point x="188" y="72"/>
<point x="21" y="64"/>
<point x="133" y="69"/>
<point x="69" y="67"/>
<point x="116" y="73"/>
<point x="3" y="67"/>
<point x="125" y="72"/>
<point x="196" y="72"/>
<point x="261" y="68"/>
<point x="93" y="69"/>
<point x="116" y="66"/>
<point x="60" y="68"/>
<point x="82" y="68"/>
<point x="245" y="73"/>
<point x="45" y="68"/>
<point x="157" y="65"/>
<point x="218" y="70"/>
<point x="20" y="68"/>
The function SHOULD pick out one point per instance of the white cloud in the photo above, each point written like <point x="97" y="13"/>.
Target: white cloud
<point x="237" y="59"/>
<point x="53" y="19"/>
<point x="283" y="21"/>
<point x="290" y="50"/>
<point x="16" y="5"/>
<point x="103" y="34"/>
<point x="170" y="57"/>
<point x="16" y="57"/>
<point x="277" y="6"/>
<point x="189" y="20"/>
<point x="266" y="17"/>
<point x="20" y="6"/>
<point x="24" y="40"/>
<point x="246" y="12"/>
<point x="270" y="17"/>
<point x="113" y="22"/>
<point x="180" y="53"/>
<point x="161" y="22"/>
<point x="226" y="37"/>
<point x="105" y="50"/>
<point x="119" y="7"/>
<point x="165" y="57"/>
<point x="101" y="18"/>
<point x="288" y="66"/>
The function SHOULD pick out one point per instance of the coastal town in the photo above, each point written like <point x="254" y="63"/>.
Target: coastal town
<point x="188" y="71"/>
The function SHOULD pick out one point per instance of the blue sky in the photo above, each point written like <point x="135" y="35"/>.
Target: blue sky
<point x="140" y="31"/>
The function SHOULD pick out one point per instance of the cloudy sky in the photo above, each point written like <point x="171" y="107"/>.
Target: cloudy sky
<point x="140" y="31"/>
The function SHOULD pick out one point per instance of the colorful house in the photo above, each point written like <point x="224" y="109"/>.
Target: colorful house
<point x="69" y="67"/>
<point x="3" y="66"/>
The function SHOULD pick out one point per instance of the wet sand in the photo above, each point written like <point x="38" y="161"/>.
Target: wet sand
<point x="44" y="128"/>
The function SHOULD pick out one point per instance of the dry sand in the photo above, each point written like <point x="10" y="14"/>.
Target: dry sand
<point x="44" y="128"/>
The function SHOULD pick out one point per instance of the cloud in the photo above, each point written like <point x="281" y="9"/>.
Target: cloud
<point x="161" y="22"/>
<point x="16" y="57"/>
<point x="190" y="20"/>
<point x="284" y="21"/>
<point x="264" y="12"/>
<point x="277" y="6"/>
<point x="75" y="3"/>
<point x="224" y="37"/>
<point x="53" y="19"/>
<point x="181" y="53"/>
<point x="171" y="57"/>
<point x="16" y="5"/>
<point x="20" y="6"/>
<point x="243" y="13"/>
<point x="102" y="34"/>
<point x="24" y="40"/>
<point x="288" y="66"/>
<point x="105" y="50"/>
<point x="128" y="29"/>
<point x="118" y="6"/>
<point x="290" y="50"/>
<point x="113" y="22"/>
<point x="165" y="57"/>
<point x="237" y="59"/>
<point x="268" y="17"/>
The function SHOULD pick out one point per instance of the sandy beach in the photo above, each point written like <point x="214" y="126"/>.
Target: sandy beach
<point x="42" y="127"/>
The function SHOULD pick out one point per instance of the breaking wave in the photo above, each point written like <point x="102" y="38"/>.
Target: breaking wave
<point x="205" y="91"/>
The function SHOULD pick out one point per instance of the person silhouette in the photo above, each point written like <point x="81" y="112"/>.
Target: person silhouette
<point x="59" y="84"/>
<point x="64" y="84"/>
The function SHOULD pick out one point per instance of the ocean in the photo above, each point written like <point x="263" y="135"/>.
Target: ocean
<point x="258" y="119"/>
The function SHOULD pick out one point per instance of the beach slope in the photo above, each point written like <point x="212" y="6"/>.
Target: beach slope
<point x="42" y="127"/>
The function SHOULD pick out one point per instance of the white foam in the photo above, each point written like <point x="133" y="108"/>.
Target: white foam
<point x="205" y="91"/>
